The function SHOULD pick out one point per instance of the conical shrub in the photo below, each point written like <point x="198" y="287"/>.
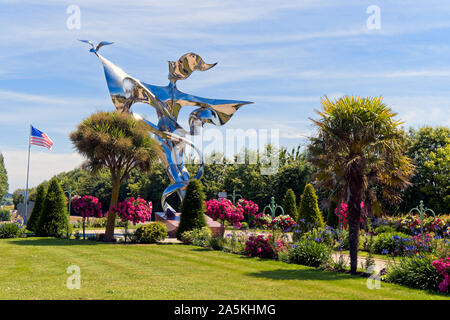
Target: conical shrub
<point x="309" y="208"/>
<point x="192" y="208"/>
<point x="332" y="218"/>
<point x="290" y="205"/>
<point x="54" y="220"/>
<point x="33" y="221"/>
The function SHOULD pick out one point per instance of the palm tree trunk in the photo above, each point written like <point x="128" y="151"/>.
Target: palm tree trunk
<point x="354" y="212"/>
<point x="111" y="220"/>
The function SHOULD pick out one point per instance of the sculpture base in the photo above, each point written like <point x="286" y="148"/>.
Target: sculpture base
<point x="172" y="222"/>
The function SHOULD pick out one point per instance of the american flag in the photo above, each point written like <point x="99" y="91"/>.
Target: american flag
<point x="39" y="138"/>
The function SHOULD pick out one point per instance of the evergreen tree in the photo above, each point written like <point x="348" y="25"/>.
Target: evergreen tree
<point x="332" y="218"/>
<point x="3" y="178"/>
<point x="33" y="221"/>
<point x="359" y="145"/>
<point x="54" y="220"/>
<point x="289" y="204"/>
<point x="120" y="143"/>
<point x="309" y="208"/>
<point x="192" y="208"/>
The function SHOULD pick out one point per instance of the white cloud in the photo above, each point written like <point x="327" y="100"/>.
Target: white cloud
<point x="351" y="74"/>
<point x="16" y="96"/>
<point x="43" y="166"/>
<point x="417" y="111"/>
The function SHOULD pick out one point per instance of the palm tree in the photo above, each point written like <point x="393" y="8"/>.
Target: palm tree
<point x="118" y="142"/>
<point x="358" y="144"/>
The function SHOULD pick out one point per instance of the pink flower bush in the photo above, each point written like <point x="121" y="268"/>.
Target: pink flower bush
<point x="283" y="223"/>
<point x="443" y="267"/>
<point x="263" y="246"/>
<point x="87" y="206"/>
<point x="134" y="210"/>
<point x="342" y="212"/>
<point x="224" y="210"/>
<point x="250" y="208"/>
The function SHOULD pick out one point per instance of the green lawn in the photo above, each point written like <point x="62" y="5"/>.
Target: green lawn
<point x="35" y="268"/>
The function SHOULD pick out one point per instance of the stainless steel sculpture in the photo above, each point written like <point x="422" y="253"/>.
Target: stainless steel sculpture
<point x="168" y="100"/>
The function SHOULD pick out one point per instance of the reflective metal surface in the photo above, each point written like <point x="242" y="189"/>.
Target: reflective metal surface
<point x="126" y="90"/>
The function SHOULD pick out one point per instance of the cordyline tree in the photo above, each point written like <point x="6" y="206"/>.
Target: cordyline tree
<point x="359" y="144"/>
<point x="118" y="142"/>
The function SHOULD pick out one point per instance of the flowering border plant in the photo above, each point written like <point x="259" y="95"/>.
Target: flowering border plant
<point x="443" y="267"/>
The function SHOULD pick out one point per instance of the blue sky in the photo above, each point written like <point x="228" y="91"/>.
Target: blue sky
<point x="283" y="55"/>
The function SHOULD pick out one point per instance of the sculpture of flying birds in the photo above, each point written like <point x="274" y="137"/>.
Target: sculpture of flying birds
<point x="167" y="100"/>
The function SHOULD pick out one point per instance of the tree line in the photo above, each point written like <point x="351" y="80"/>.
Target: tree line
<point x="427" y="147"/>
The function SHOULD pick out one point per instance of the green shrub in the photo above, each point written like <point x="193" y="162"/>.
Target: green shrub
<point x="283" y="256"/>
<point x="332" y="218"/>
<point x="415" y="272"/>
<point x="309" y="209"/>
<point x="342" y="239"/>
<point x="68" y="233"/>
<point x="5" y="215"/>
<point x="10" y="230"/>
<point x="217" y="243"/>
<point x="244" y="226"/>
<point x="197" y="237"/>
<point x="192" y="208"/>
<point x="326" y="235"/>
<point x="54" y="220"/>
<point x="33" y="221"/>
<point x="383" y="243"/>
<point x="150" y="233"/>
<point x="290" y="205"/>
<point x="310" y="253"/>
<point x="383" y="229"/>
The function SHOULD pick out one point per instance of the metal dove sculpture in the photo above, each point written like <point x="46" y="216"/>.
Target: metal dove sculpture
<point x="126" y="90"/>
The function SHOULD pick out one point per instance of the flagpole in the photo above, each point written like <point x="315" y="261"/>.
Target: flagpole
<point x="28" y="173"/>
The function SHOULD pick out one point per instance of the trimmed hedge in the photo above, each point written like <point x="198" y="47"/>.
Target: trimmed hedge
<point x="54" y="220"/>
<point x="309" y="208"/>
<point x="192" y="208"/>
<point x="150" y="233"/>
<point x="33" y="221"/>
<point x="290" y="205"/>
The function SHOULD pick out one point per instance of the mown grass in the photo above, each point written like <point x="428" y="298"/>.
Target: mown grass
<point x="35" y="268"/>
